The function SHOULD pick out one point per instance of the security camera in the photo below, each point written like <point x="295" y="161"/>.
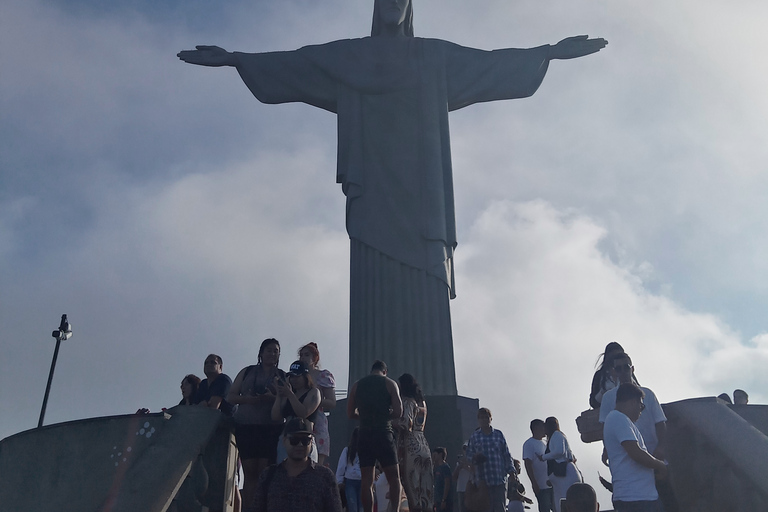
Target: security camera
<point x="64" y="332"/>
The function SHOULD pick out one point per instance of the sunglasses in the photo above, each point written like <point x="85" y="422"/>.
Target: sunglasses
<point x="295" y="440"/>
<point x="623" y="367"/>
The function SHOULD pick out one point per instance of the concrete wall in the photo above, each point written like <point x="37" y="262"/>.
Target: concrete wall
<point x="718" y="454"/>
<point x="119" y="463"/>
<point x="718" y="460"/>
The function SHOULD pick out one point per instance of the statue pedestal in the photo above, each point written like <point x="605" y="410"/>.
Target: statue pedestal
<point x="450" y="422"/>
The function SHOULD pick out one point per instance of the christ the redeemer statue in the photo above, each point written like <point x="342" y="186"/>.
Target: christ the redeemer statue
<point x="392" y="93"/>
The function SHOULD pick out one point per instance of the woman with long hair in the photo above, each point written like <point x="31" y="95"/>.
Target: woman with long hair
<point x="416" y="470"/>
<point x="561" y="463"/>
<point x="602" y="381"/>
<point x="255" y="431"/>
<point x="297" y="397"/>
<point x="189" y="386"/>
<point x="309" y="354"/>
<point x="348" y="473"/>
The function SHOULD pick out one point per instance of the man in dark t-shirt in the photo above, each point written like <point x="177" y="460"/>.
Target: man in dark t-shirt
<point x="375" y="401"/>
<point x="214" y="388"/>
<point x="297" y="484"/>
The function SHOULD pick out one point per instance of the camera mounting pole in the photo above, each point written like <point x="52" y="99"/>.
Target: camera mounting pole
<point x="64" y="332"/>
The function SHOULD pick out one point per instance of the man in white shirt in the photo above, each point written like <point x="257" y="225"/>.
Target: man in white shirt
<point x="537" y="468"/>
<point x="632" y="467"/>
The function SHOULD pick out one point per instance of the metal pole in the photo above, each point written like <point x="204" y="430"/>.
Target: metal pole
<point x="50" y="379"/>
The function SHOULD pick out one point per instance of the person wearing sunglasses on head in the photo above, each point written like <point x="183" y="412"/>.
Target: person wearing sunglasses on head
<point x="297" y="484"/>
<point x="652" y="422"/>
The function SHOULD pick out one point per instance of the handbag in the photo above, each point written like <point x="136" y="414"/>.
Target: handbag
<point x="476" y="497"/>
<point x="557" y="468"/>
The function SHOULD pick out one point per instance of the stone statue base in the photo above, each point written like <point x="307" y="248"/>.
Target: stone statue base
<point x="450" y="422"/>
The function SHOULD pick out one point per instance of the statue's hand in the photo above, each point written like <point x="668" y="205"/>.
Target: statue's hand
<point x="576" y="46"/>
<point x="208" y="56"/>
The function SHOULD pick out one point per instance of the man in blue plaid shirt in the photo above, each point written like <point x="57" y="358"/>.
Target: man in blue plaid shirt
<point x="491" y="459"/>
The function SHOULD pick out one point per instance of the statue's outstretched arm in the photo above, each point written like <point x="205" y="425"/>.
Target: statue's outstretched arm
<point x="208" y="56"/>
<point x="576" y="46"/>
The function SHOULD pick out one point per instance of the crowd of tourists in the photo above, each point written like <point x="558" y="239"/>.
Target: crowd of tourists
<point x="277" y="415"/>
<point x="388" y="464"/>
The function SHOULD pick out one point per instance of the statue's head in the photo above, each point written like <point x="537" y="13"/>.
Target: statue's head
<point x="392" y="13"/>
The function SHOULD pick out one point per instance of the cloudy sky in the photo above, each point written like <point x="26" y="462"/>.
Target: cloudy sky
<point x="170" y="214"/>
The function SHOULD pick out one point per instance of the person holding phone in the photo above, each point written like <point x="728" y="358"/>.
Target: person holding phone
<point x="255" y="431"/>
<point x="297" y="397"/>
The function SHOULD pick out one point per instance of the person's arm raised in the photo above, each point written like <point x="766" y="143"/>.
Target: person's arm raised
<point x="276" y="412"/>
<point x="308" y="406"/>
<point x="576" y="46"/>
<point x="213" y="56"/>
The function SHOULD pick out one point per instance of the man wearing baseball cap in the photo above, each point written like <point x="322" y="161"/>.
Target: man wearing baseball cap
<point x="297" y="484"/>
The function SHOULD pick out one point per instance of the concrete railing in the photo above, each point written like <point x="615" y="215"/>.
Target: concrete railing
<point x="718" y="454"/>
<point x="183" y="459"/>
<point x="718" y="460"/>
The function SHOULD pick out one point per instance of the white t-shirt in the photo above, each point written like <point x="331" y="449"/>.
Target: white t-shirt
<point x="463" y="479"/>
<point x="652" y="415"/>
<point x="347" y="470"/>
<point x="631" y="481"/>
<point x="531" y="448"/>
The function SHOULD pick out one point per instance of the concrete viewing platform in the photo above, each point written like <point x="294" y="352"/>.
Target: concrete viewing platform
<point x="184" y="459"/>
<point x="181" y="459"/>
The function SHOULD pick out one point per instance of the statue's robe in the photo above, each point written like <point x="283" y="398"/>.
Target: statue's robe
<point x="392" y="97"/>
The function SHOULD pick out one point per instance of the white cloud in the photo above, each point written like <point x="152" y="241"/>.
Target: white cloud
<point x="539" y="293"/>
<point x="738" y="365"/>
<point x="538" y="301"/>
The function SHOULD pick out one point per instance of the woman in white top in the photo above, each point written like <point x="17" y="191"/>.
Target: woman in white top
<point x="309" y="354"/>
<point x="348" y="473"/>
<point x="561" y="464"/>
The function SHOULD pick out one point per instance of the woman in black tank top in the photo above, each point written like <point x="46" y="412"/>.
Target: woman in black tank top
<point x="297" y="396"/>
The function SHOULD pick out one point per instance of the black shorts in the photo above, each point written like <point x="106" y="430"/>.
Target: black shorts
<point x="376" y="445"/>
<point x="258" y="441"/>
